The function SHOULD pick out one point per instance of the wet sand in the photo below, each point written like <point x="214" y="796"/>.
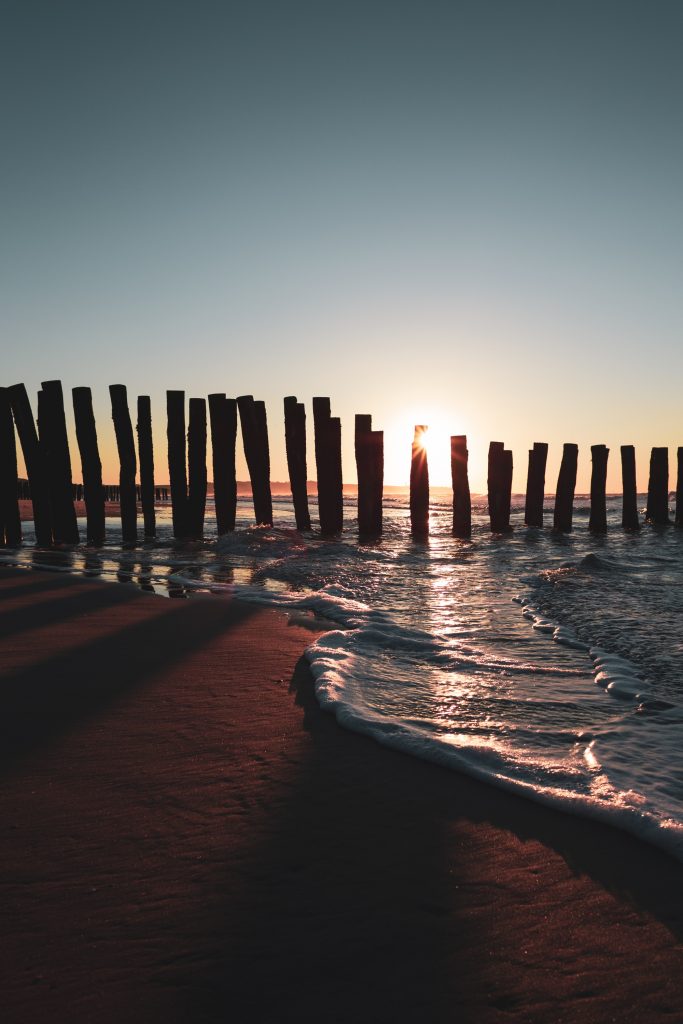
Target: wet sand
<point x="185" y="836"/>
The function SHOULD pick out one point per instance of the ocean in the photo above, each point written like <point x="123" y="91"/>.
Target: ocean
<point x="550" y="665"/>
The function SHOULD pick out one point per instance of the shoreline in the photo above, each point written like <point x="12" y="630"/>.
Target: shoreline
<point x="187" y="836"/>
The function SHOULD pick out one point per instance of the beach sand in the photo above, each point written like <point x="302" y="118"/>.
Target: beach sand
<point x="187" y="837"/>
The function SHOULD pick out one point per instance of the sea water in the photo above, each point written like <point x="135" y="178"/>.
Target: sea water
<point x="550" y="665"/>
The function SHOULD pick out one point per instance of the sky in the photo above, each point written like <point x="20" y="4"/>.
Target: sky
<point x="468" y="215"/>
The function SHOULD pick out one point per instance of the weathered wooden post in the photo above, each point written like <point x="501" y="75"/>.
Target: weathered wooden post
<point x="679" y="489"/>
<point x="10" y="519"/>
<point x="328" y="467"/>
<point x="177" y="464"/>
<point x="629" y="507"/>
<point x="362" y="432"/>
<point x="462" y="502"/>
<point x="264" y="462"/>
<point x="598" y="514"/>
<point x="223" y="416"/>
<point x="295" y="442"/>
<point x="499" y="487"/>
<point x="376" y="443"/>
<point x="91" y="466"/>
<point x="146" y="453"/>
<point x="123" y="428"/>
<point x="658" y="488"/>
<point x="252" y="420"/>
<point x="419" y="485"/>
<point x="566" y="486"/>
<point x="535" y="484"/>
<point x="36" y="470"/>
<point x="55" y="446"/>
<point x="196" y="455"/>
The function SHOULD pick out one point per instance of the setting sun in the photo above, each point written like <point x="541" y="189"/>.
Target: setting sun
<point x="435" y="439"/>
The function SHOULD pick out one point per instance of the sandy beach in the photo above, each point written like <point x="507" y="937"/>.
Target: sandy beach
<point x="187" y="837"/>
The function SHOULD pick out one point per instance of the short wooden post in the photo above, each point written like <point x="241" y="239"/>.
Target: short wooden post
<point x="679" y="489"/>
<point x="123" y="428"/>
<point x="535" y="484"/>
<point x="35" y="464"/>
<point x="146" y="453"/>
<point x="295" y="443"/>
<point x="55" y="445"/>
<point x="499" y="487"/>
<point x="419" y="485"/>
<point x="91" y="466"/>
<point x="566" y="486"/>
<point x="658" y="488"/>
<point x="462" y="502"/>
<point x="598" y="514"/>
<point x="196" y="455"/>
<point x="177" y="464"/>
<point x="629" y="507"/>
<point x="10" y="519"/>
<point x="328" y="467"/>
<point x="223" y="416"/>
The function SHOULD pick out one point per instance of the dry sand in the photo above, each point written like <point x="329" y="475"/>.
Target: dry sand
<point x="187" y="837"/>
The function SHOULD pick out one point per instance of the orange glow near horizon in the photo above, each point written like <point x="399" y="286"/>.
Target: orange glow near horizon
<point x="436" y="441"/>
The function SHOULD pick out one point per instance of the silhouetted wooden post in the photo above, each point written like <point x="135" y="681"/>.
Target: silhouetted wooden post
<point x="295" y="442"/>
<point x="146" y="453"/>
<point x="363" y="430"/>
<point x="419" y="486"/>
<point x="36" y="470"/>
<point x="252" y="420"/>
<point x="91" y="466"/>
<point x="328" y="467"/>
<point x="629" y="506"/>
<point x="598" y="514"/>
<point x="535" y="484"/>
<point x="177" y="461"/>
<point x="196" y="456"/>
<point x="10" y="519"/>
<point x="264" y="463"/>
<point x="658" y="488"/>
<point x="499" y="487"/>
<point x="376" y="442"/>
<point x="462" y="502"/>
<point x="123" y="428"/>
<point x="55" y="445"/>
<point x="679" y="489"/>
<point x="223" y="415"/>
<point x="566" y="486"/>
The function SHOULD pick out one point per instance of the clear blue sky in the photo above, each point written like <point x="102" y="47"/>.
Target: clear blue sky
<point x="469" y="213"/>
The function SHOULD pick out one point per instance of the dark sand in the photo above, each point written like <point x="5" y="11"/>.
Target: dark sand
<point x="187" y="837"/>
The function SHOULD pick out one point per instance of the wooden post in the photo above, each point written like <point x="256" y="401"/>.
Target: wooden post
<point x="328" y="467"/>
<point x="91" y="466"/>
<point x="10" y="519"/>
<point x="295" y="442"/>
<point x="35" y="464"/>
<point x="255" y="440"/>
<point x="264" y="463"/>
<point x="499" y="487"/>
<point x="598" y="514"/>
<point x="363" y="452"/>
<point x="376" y="442"/>
<point x="146" y="452"/>
<point x="177" y="465"/>
<point x="55" y="446"/>
<point x="419" y="486"/>
<point x="679" y="489"/>
<point x="196" y="454"/>
<point x="535" y="484"/>
<point x="223" y="415"/>
<point x="629" y="507"/>
<point x="123" y="428"/>
<point x="462" y="502"/>
<point x="658" y="488"/>
<point x="566" y="485"/>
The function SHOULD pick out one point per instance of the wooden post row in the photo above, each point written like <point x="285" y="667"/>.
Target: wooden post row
<point x="223" y="416"/>
<point x="123" y="428"/>
<point x="419" y="485"/>
<point x="36" y="469"/>
<point x="10" y="519"/>
<point x="462" y="502"/>
<point x="91" y="466"/>
<point x="295" y="443"/>
<point x="328" y="467"/>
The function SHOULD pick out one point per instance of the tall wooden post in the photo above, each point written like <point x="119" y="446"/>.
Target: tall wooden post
<point x="376" y="442"/>
<point x="362" y="432"/>
<point x="598" y="514"/>
<point x="462" y="502"/>
<point x="255" y="440"/>
<point x="295" y="442"/>
<point x="658" y="487"/>
<point x="55" y="445"/>
<point x="91" y="466"/>
<point x="146" y="453"/>
<point x="629" y="507"/>
<point x="266" y="498"/>
<point x="679" y="489"/>
<point x="566" y="486"/>
<point x="196" y="453"/>
<point x="10" y="519"/>
<point x="499" y="487"/>
<point x="177" y="464"/>
<point x="36" y="470"/>
<point x="123" y="428"/>
<point x="535" y="484"/>
<point x="419" y="486"/>
<point x="223" y="415"/>
<point x="328" y="467"/>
